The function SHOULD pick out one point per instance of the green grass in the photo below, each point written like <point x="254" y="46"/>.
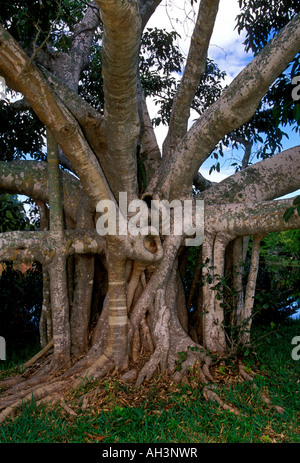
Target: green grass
<point x="167" y="413"/>
<point x="17" y="355"/>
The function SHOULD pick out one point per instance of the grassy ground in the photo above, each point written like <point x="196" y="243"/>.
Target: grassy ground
<point x="164" y="412"/>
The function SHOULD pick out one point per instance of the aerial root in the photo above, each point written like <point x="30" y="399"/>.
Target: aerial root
<point x="254" y="386"/>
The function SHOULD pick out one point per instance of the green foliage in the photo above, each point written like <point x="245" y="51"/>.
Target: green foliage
<point x="12" y="214"/>
<point x="278" y="281"/>
<point x="31" y="21"/>
<point x="20" y="290"/>
<point x="262" y="20"/>
<point x="290" y="211"/>
<point x="21" y="134"/>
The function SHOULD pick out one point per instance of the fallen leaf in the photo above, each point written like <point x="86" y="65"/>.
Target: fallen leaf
<point x="96" y="437"/>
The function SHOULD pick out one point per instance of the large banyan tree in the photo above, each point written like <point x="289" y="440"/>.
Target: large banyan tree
<point x="117" y="300"/>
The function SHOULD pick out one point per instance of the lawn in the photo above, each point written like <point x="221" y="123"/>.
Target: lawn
<point x="110" y="411"/>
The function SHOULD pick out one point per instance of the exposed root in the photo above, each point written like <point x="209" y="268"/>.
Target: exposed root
<point x="98" y="370"/>
<point x="209" y="394"/>
<point x="147" y="372"/>
<point x="36" y="395"/>
<point x="254" y="386"/>
<point x="26" y="371"/>
<point x="42" y="385"/>
<point x="36" y="357"/>
<point x="52" y="392"/>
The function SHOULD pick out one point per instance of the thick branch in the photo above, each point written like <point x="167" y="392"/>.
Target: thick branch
<point x="236" y="105"/>
<point x="201" y="183"/>
<point x="37" y="245"/>
<point x="149" y="156"/>
<point x="30" y="178"/>
<point x="250" y="219"/>
<point x="147" y="8"/>
<point x="68" y="66"/>
<point x="122" y="31"/>
<point x="194" y="69"/>
<point x="82" y="41"/>
<point x="90" y="120"/>
<point x="15" y="64"/>
<point x="262" y="181"/>
<point x="25" y="246"/>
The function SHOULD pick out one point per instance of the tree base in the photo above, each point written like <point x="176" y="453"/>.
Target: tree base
<point x="42" y="383"/>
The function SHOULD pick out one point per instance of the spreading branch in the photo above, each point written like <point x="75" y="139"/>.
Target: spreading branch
<point x="262" y="181"/>
<point x="241" y="219"/>
<point x="54" y="115"/>
<point x="236" y="106"/>
<point x="27" y="246"/>
<point x="147" y="8"/>
<point x="30" y="178"/>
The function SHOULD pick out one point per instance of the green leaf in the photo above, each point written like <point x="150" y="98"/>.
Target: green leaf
<point x="296" y="201"/>
<point x="297" y="112"/>
<point x="288" y="213"/>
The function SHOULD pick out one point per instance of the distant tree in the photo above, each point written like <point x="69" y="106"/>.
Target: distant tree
<point x="12" y="213"/>
<point x="20" y="286"/>
<point x="278" y="281"/>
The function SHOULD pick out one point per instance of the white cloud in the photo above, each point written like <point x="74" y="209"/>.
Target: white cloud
<point x="226" y="46"/>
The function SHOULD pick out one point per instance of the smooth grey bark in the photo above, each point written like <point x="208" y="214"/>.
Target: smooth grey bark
<point x="262" y="181"/>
